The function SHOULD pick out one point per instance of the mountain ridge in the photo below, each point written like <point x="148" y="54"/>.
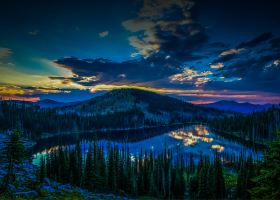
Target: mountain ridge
<point x="230" y="105"/>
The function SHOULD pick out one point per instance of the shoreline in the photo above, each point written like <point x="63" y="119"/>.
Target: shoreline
<point x="246" y="141"/>
<point x="49" y="135"/>
<point x="232" y="136"/>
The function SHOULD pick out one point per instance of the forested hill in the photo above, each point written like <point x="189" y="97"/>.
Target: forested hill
<point x="118" y="109"/>
<point x="154" y="106"/>
<point x="256" y="127"/>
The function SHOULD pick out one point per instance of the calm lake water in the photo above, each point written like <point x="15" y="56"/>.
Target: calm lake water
<point x="194" y="139"/>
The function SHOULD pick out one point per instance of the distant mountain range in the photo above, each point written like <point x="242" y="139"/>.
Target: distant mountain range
<point x="234" y="106"/>
<point x="150" y="103"/>
<point x="48" y="103"/>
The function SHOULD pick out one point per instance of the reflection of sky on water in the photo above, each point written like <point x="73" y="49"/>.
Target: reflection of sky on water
<point x="196" y="139"/>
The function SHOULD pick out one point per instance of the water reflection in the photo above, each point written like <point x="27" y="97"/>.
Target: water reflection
<point x="197" y="135"/>
<point x="217" y="147"/>
<point x="193" y="139"/>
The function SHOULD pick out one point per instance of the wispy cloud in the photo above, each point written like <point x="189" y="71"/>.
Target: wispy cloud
<point x="232" y="51"/>
<point x="191" y="76"/>
<point x="217" y="65"/>
<point x="14" y="92"/>
<point x="34" y="32"/>
<point x="276" y="62"/>
<point x="5" y="52"/>
<point x="103" y="34"/>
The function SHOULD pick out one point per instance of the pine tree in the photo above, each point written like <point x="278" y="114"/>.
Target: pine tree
<point x="193" y="187"/>
<point x="88" y="172"/>
<point x="111" y="179"/>
<point x="79" y="165"/>
<point x="13" y="154"/>
<point x="219" y="182"/>
<point x="42" y="173"/>
<point x="62" y="166"/>
<point x="202" y="184"/>
<point x="267" y="181"/>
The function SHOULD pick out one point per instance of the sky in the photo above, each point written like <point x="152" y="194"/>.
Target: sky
<point x="199" y="51"/>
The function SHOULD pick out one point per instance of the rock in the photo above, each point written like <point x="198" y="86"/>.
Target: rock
<point x="26" y="194"/>
<point x="49" y="197"/>
<point x="12" y="188"/>
<point x="21" y="189"/>
<point x="48" y="188"/>
<point x="47" y="181"/>
<point x="66" y="187"/>
<point x="54" y="184"/>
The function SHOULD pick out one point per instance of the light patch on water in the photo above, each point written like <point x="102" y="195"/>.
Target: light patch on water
<point x="218" y="148"/>
<point x="191" y="138"/>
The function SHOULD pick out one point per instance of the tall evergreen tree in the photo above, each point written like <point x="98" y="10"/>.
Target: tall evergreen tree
<point x="219" y="181"/>
<point x="13" y="154"/>
<point x="88" y="172"/>
<point x="79" y="165"/>
<point x="267" y="181"/>
<point x="42" y="172"/>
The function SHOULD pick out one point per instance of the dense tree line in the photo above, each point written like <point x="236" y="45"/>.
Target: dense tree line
<point x="253" y="127"/>
<point x="116" y="170"/>
<point x="35" y="121"/>
<point x="170" y="174"/>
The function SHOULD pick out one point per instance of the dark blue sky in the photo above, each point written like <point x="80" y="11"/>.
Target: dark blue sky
<point x="200" y="51"/>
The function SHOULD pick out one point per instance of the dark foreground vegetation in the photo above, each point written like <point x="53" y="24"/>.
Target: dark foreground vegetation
<point x="167" y="175"/>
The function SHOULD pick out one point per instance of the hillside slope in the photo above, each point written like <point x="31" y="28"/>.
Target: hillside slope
<point x="118" y="109"/>
<point x="48" y="103"/>
<point x="152" y="105"/>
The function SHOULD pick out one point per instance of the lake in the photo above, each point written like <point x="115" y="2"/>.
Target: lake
<point x="189" y="139"/>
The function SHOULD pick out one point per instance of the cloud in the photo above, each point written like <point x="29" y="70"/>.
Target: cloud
<point x="275" y="43"/>
<point x="5" y="53"/>
<point x="276" y="62"/>
<point x="103" y="34"/>
<point x="34" y="32"/>
<point x="256" y="41"/>
<point x="166" y="26"/>
<point x="24" y="93"/>
<point x="251" y="65"/>
<point x="217" y="65"/>
<point x="250" y="73"/>
<point x="206" y="96"/>
<point x="232" y="51"/>
<point x="97" y="71"/>
<point x="191" y="76"/>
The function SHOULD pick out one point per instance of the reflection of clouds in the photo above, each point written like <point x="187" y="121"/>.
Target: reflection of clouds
<point x="208" y="140"/>
<point x="217" y="147"/>
<point x="192" y="138"/>
<point x="201" y="130"/>
<point x="45" y="152"/>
